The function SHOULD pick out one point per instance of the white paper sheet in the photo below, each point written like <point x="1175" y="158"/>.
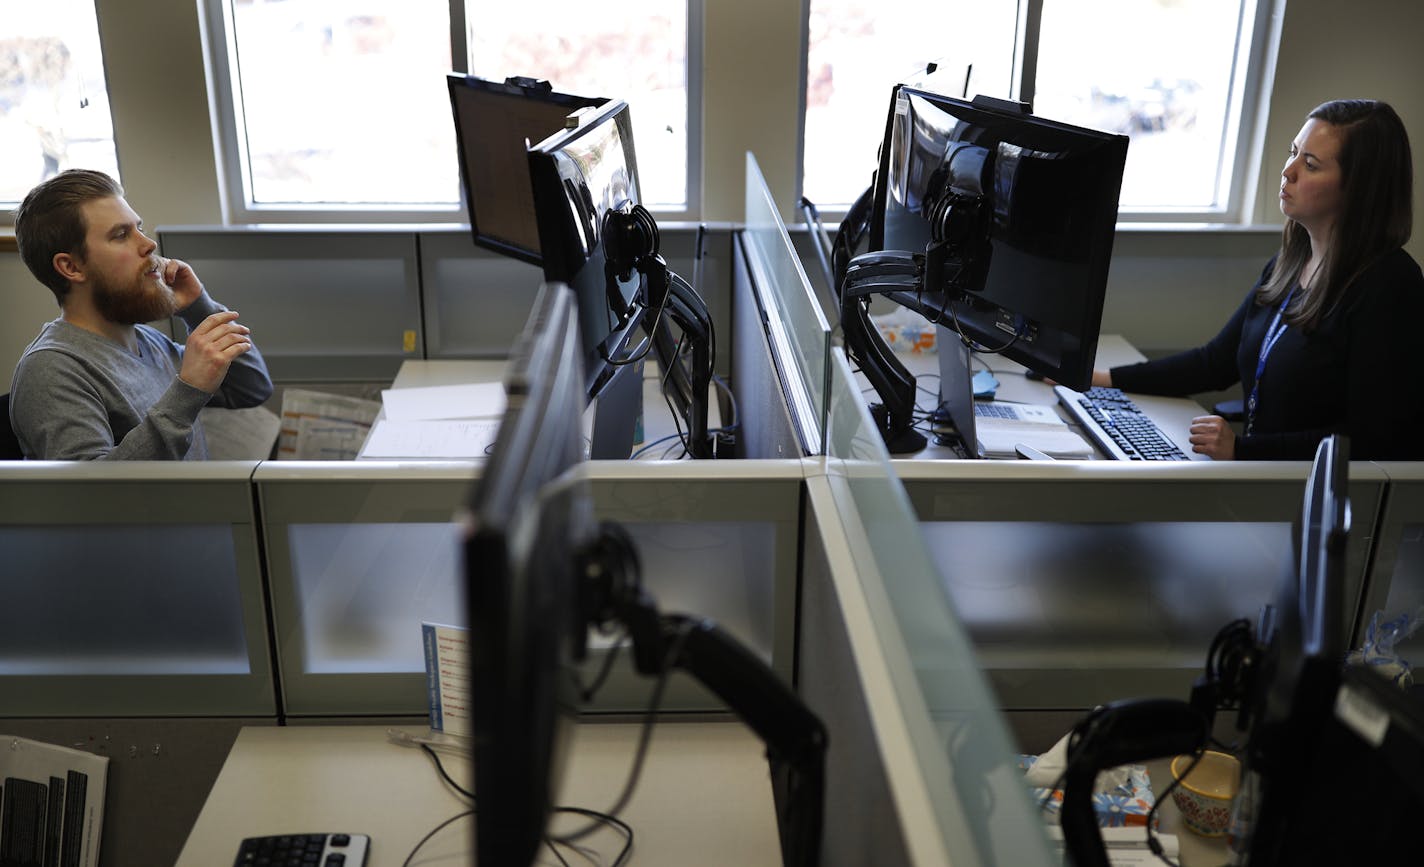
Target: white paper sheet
<point x="477" y="400"/>
<point x="433" y="438"/>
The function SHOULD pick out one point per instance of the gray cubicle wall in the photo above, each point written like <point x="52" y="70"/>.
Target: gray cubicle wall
<point x="360" y="554"/>
<point x="350" y="304"/>
<point x="1396" y="578"/>
<point x="1084" y="582"/>
<point x="131" y="589"/>
<point x="324" y="305"/>
<point x="475" y="300"/>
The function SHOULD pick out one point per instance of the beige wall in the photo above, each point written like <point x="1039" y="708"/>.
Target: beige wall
<point x="153" y="60"/>
<point x="1333" y="50"/>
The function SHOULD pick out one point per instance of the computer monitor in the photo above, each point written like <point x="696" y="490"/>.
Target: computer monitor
<point x="1333" y="761"/>
<point x="495" y="122"/>
<point x="519" y="564"/>
<point x="540" y="571"/>
<point x="1302" y="645"/>
<point x="596" y="236"/>
<point x="1362" y="784"/>
<point x="997" y="225"/>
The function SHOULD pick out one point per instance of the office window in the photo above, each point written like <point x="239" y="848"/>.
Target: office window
<point x="54" y="105"/>
<point x="858" y="49"/>
<point x="336" y="107"/>
<point x="635" y="50"/>
<point x="1177" y="76"/>
<point x="1172" y="75"/>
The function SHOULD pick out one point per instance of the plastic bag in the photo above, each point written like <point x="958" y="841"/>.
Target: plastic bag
<point x="1379" y="650"/>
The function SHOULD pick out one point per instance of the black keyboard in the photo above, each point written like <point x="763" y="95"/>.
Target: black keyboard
<point x="304" y="850"/>
<point x="1117" y="426"/>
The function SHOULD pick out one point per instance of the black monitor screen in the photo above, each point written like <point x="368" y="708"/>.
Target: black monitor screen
<point x="525" y="627"/>
<point x="1026" y="209"/>
<point x="1361" y="789"/>
<point x="495" y="122"/>
<point x="579" y="176"/>
<point x="1300" y="671"/>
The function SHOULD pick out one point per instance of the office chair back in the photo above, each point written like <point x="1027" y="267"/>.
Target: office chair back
<point x="9" y="444"/>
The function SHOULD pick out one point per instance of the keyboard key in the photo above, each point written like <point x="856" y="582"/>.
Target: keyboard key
<point x="304" y="850"/>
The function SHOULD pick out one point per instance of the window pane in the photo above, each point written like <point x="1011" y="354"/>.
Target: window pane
<point x="859" y="49"/>
<point x="1159" y="71"/>
<point x="54" y="106"/>
<point x="345" y="103"/>
<point x="635" y="50"/>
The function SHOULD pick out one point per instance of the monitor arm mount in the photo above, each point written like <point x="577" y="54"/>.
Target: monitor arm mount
<point x="795" y="738"/>
<point x="953" y="263"/>
<point x="1119" y="733"/>
<point x="631" y="243"/>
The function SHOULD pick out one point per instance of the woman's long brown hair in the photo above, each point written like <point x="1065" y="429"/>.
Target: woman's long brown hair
<point x="1376" y="214"/>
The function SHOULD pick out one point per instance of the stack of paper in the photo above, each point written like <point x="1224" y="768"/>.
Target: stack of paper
<point x="999" y="436"/>
<point x="441" y="421"/>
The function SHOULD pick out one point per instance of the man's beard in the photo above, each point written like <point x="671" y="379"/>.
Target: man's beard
<point x="141" y="300"/>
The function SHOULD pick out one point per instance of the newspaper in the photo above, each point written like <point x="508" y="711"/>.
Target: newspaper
<point x="317" y="426"/>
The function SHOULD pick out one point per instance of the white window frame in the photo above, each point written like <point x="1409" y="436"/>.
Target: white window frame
<point x="1244" y="140"/>
<point x="233" y="164"/>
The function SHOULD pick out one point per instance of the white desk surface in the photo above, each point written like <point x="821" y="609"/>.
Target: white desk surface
<point x="704" y="796"/>
<point x="657" y="418"/>
<point x="1172" y="414"/>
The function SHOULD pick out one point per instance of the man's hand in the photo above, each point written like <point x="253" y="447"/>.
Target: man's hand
<point x="211" y="347"/>
<point x="1212" y="436"/>
<point x="185" y="284"/>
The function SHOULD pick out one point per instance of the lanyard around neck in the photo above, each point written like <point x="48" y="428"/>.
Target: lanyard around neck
<point x="1273" y="333"/>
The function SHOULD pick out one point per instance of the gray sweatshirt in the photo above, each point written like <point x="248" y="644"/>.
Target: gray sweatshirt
<point x="77" y="395"/>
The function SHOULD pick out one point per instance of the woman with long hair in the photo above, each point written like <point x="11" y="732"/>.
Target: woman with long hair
<point x="1328" y="334"/>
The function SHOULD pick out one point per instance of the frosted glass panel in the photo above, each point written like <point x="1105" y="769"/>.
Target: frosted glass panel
<point x="1046" y="594"/>
<point x="1406" y="591"/>
<point x="796" y="324"/>
<point x="969" y="765"/>
<point x="121" y="599"/>
<point x="364" y="589"/>
<point x="724" y="571"/>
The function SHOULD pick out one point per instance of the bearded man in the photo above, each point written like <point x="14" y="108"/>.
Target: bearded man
<point x="98" y="383"/>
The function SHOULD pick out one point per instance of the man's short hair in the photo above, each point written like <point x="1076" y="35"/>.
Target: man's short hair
<point x="51" y="221"/>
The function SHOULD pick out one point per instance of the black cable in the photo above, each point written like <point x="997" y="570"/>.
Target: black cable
<point x="611" y="821"/>
<point x="672" y="410"/>
<point x="1152" y="842"/>
<point x="587" y="693"/>
<point x="644" y="737"/>
<point x="555" y="849"/>
<point x="445" y="775"/>
<point x="433" y="831"/>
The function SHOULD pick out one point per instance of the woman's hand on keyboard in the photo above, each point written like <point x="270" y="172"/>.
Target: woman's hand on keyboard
<point x="1211" y="435"/>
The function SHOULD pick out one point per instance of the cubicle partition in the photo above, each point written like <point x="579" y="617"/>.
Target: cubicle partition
<point x="132" y="590"/>
<point x="777" y="313"/>
<point x="1083" y="582"/>
<point x="358" y="556"/>
<point x="361" y="554"/>
<point x="921" y="767"/>
<point x="323" y="305"/>
<point x="133" y="626"/>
